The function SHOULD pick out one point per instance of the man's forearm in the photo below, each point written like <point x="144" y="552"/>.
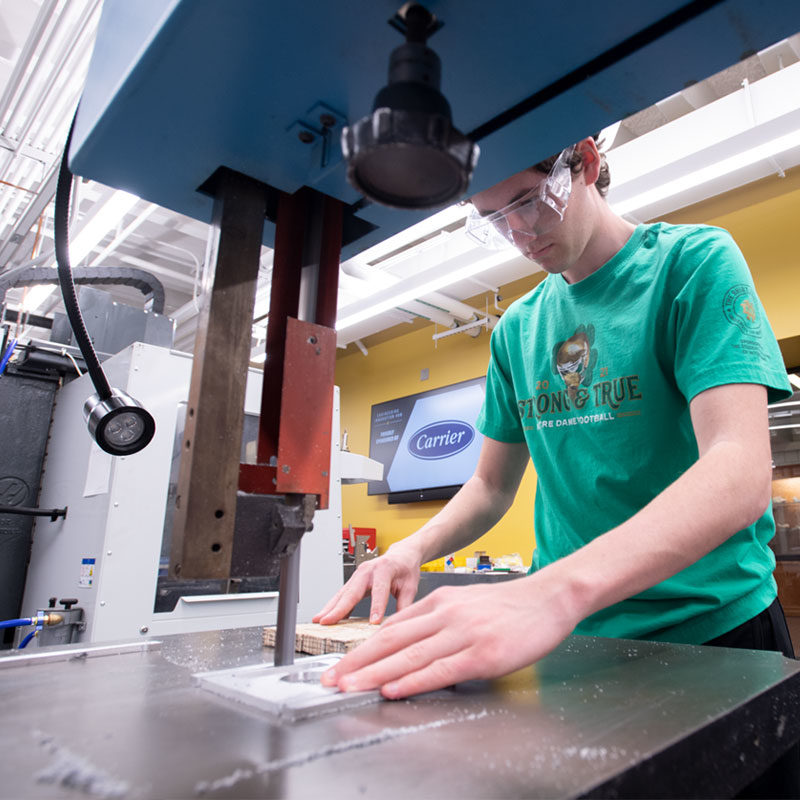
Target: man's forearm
<point x="716" y="497"/>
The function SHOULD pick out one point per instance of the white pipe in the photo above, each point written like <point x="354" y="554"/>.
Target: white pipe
<point x="52" y="107"/>
<point x="462" y="311"/>
<point x="470" y="326"/>
<point x="372" y="276"/>
<point x="451" y="305"/>
<point x="59" y="108"/>
<point x="428" y="312"/>
<point x="23" y="224"/>
<point x="34" y="116"/>
<point x="419" y="230"/>
<point x="123" y="235"/>
<point x="751" y="115"/>
<point x="170" y="276"/>
<point x="185" y="313"/>
<point x="41" y="60"/>
<point x="63" y="57"/>
<point x="186" y="250"/>
<point x="360" y="345"/>
<point x="361" y="287"/>
<point x="484" y="285"/>
<point x="24" y="60"/>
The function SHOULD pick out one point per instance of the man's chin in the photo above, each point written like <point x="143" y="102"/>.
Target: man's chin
<point x="548" y="266"/>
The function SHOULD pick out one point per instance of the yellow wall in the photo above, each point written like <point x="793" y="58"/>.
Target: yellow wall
<point x="763" y="218"/>
<point x="787" y="488"/>
<point x="392" y="369"/>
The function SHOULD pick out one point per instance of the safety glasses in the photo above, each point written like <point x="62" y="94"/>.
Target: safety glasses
<point x="535" y="213"/>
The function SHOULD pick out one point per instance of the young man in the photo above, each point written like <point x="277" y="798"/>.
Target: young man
<point x="636" y="376"/>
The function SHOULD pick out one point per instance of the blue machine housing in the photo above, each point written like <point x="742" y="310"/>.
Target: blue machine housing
<point x="178" y="88"/>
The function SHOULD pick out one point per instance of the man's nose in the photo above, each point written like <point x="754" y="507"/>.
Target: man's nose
<point x="521" y="237"/>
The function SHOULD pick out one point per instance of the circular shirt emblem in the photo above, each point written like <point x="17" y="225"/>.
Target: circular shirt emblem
<point x="13" y="491"/>
<point x="741" y="308"/>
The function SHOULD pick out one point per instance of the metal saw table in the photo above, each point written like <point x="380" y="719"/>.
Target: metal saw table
<point x="598" y="717"/>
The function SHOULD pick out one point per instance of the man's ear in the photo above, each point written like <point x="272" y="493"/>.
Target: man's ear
<point x="590" y="160"/>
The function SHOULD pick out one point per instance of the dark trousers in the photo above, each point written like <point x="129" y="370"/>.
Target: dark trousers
<point x="768" y="631"/>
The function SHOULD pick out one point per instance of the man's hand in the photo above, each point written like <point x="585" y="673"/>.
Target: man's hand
<point x="396" y="572"/>
<point x="479" y="505"/>
<point x="456" y="634"/>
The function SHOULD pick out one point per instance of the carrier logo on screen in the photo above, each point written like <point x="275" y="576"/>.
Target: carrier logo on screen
<point x="441" y="439"/>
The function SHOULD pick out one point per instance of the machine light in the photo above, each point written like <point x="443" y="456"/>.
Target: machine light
<point x="119" y="424"/>
<point x="407" y="154"/>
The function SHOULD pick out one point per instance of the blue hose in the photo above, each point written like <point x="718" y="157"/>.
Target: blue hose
<point x="27" y="638"/>
<point x="7" y="355"/>
<point x="17" y="623"/>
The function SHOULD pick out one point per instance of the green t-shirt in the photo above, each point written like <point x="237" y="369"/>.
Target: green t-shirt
<point x="596" y="377"/>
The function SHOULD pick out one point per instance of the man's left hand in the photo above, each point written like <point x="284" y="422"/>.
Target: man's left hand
<point x="456" y="634"/>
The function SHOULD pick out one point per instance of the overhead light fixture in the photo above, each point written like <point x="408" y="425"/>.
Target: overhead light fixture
<point x="372" y="306"/>
<point x="109" y="215"/>
<point x="708" y="173"/>
<point x="106" y="218"/>
<point x="433" y="224"/>
<point x="407" y="154"/>
<point x="35" y="297"/>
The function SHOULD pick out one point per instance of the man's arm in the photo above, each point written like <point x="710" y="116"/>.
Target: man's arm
<point x="487" y="631"/>
<point x="480" y="503"/>
<point x="727" y="489"/>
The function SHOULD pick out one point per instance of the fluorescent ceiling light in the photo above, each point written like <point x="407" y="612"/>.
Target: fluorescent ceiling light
<point x="794" y="380"/>
<point x="35" y="296"/>
<point x="697" y="178"/>
<point x="426" y="287"/>
<point x="99" y="225"/>
<point x="441" y="219"/>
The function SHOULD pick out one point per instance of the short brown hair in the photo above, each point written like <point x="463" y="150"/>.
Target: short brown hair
<point x="576" y="163"/>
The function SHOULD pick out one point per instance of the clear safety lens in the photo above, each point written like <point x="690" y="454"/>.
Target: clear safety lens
<point x="533" y="214"/>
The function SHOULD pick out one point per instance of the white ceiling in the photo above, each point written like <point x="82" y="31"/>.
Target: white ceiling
<point x="738" y="126"/>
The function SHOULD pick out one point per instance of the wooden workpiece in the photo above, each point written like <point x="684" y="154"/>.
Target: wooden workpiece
<point x="316" y="639"/>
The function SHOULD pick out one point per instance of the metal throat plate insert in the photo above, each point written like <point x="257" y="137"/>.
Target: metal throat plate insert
<point x="290" y="692"/>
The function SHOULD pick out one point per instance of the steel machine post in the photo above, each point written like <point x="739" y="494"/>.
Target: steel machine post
<point x="202" y="536"/>
<point x="297" y="398"/>
<point x="293" y="457"/>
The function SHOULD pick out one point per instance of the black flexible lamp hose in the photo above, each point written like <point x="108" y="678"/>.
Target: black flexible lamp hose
<point x="118" y="423"/>
<point x="63" y="192"/>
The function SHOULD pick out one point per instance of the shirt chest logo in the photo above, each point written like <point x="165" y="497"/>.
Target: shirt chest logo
<point x="574" y="360"/>
<point x="589" y="393"/>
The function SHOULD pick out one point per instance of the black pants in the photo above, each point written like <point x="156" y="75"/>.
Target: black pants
<point x="768" y="631"/>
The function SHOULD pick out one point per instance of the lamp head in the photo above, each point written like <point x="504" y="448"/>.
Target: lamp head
<point x="407" y="154"/>
<point x="119" y="424"/>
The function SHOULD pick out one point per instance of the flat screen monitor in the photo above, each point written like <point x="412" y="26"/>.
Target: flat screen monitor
<point x="427" y="442"/>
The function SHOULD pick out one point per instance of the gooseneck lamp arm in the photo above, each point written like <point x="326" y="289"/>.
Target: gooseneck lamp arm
<point x="61" y="223"/>
<point x="118" y="423"/>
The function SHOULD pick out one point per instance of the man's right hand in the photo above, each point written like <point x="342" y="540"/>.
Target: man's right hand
<point x="396" y="572"/>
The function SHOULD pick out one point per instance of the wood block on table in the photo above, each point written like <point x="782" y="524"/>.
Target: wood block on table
<point x="316" y="639"/>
